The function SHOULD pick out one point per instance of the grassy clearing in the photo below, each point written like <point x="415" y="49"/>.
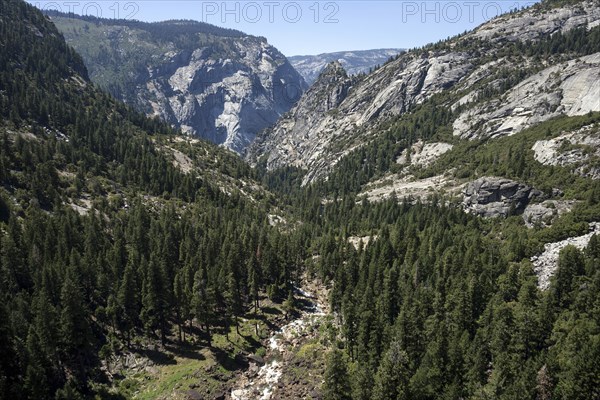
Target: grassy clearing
<point x="195" y="367"/>
<point x="172" y="380"/>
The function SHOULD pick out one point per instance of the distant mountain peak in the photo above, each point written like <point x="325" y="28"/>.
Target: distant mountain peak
<point x="354" y="62"/>
<point x="218" y="84"/>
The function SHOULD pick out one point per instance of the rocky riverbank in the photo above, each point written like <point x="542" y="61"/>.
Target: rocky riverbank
<point x="289" y="349"/>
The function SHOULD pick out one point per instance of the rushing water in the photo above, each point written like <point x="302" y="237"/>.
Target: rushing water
<point x="261" y="386"/>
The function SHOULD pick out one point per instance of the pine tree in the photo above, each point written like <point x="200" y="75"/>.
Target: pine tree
<point x="36" y="384"/>
<point x="570" y="265"/>
<point x="337" y="383"/>
<point x="183" y="301"/>
<point x="9" y="371"/>
<point x="128" y="303"/>
<point x="154" y="314"/>
<point x="393" y="375"/>
<point x="254" y="281"/>
<point x="233" y="299"/>
<point x="76" y="340"/>
<point x="289" y="305"/>
<point x="204" y="303"/>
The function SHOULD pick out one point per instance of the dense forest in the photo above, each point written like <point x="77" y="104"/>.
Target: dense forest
<point x="160" y="31"/>
<point x="157" y="250"/>
<point x="436" y="308"/>
<point x="439" y="305"/>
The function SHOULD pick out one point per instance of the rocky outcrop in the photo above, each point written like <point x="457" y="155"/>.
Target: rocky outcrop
<point x="354" y="62"/>
<point x="423" y="154"/>
<point x="497" y="197"/>
<point x="578" y="150"/>
<point x="409" y="187"/>
<point x="570" y="88"/>
<point x="213" y="83"/>
<point x="545" y="264"/>
<point x="543" y="214"/>
<point x="493" y="92"/>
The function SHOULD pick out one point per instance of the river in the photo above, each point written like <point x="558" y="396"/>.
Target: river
<point x="260" y="386"/>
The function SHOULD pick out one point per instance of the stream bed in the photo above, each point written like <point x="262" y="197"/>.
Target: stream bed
<point x="259" y="385"/>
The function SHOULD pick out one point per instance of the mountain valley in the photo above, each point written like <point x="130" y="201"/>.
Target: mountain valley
<point x="174" y="226"/>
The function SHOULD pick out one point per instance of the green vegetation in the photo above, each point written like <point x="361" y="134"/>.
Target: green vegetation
<point x="108" y="247"/>
<point x="435" y="308"/>
<point x="119" y="52"/>
<point x="512" y="157"/>
<point x="118" y="237"/>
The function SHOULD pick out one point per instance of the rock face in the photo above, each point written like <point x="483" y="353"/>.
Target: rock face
<point x="301" y="132"/>
<point x="579" y="150"/>
<point x="538" y="22"/>
<point x="570" y="88"/>
<point x="543" y="214"/>
<point x="423" y="154"/>
<point x="497" y="197"/>
<point x="354" y="62"/>
<point x="217" y="84"/>
<point x="307" y="136"/>
<point x="493" y="92"/>
<point x="545" y="264"/>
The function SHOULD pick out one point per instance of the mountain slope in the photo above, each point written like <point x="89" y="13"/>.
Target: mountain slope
<point x="214" y="83"/>
<point x="473" y="72"/>
<point x="354" y="62"/>
<point x="116" y="234"/>
<point x="138" y="263"/>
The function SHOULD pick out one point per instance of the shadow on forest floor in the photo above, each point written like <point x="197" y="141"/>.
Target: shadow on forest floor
<point x="271" y="310"/>
<point x="157" y="356"/>
<point x="187" y="350"/>
<point x="237" y="362"/>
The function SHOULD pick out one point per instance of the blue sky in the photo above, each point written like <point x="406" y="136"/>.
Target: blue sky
<point x="312" y="27"/>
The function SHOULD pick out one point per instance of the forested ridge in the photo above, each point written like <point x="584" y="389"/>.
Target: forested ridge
<point x="439" y="305"/>
<point x="156" y="248"/>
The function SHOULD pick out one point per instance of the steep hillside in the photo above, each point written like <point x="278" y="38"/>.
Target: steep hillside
<point x="116" y="234"/>
<point x="308" y="126"/>
<point x="213" y="83"/>
<point x="354" y="62"/>
<point x="139" y="263"/>
<point x="510" y="73"/>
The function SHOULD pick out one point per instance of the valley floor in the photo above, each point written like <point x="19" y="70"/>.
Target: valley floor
<point x="285" y="360"/>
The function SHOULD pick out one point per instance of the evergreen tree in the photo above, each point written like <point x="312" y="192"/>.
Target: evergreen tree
<point x="289" y="305"/>
<point x="570" y="265"/>
<point x="336" y="384"/>
<point x="128" y="303"/>
<point x="204" y="303"/>
<point x="393" y="375"/>
<point x="76" y="340"/>
<point x="154" y="311"/>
